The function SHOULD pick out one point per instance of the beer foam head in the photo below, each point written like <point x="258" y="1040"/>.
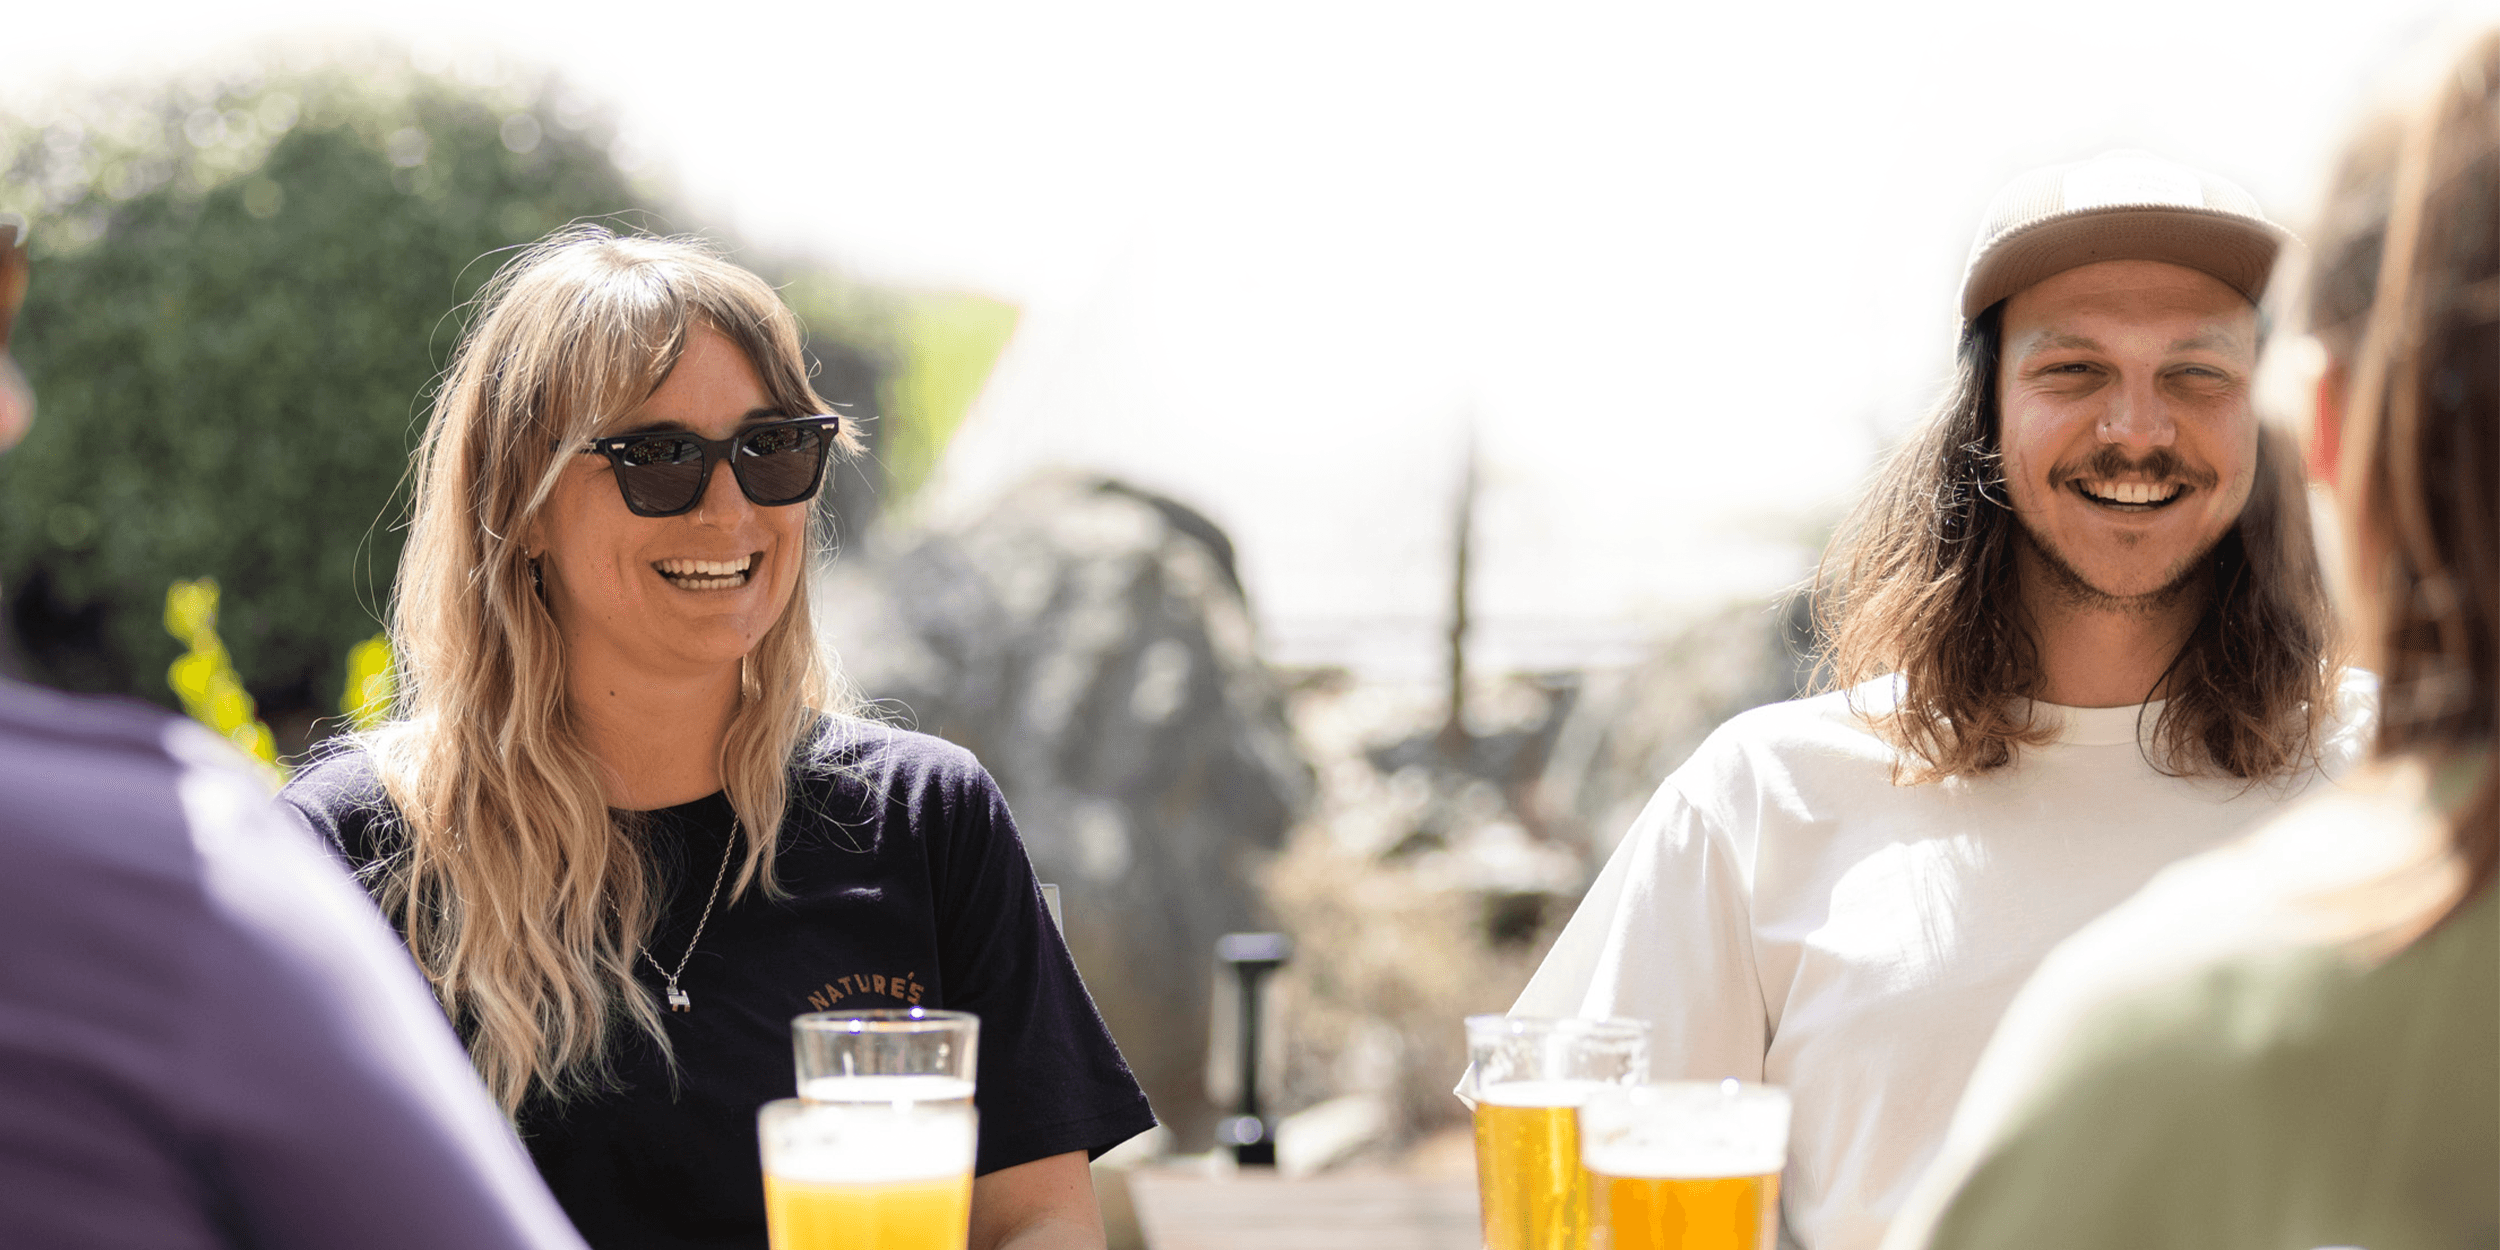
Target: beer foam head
<point x="1685" y="1130"/>
<point x="866" y="1143"/>
<point x="1538" y="1093"/>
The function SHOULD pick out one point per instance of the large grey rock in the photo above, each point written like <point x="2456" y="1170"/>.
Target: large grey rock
<point x="1436" y="867"/>
<point x="1090" y="642"/>
<point x="1629" y="728"/>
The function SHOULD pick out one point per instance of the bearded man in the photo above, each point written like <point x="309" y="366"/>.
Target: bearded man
<point x="2076" y="632"/>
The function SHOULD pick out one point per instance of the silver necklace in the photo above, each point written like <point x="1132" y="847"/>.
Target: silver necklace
<point x="677" y="998"/>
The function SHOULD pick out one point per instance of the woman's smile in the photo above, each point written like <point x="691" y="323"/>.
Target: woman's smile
<point x="708" y="575"/>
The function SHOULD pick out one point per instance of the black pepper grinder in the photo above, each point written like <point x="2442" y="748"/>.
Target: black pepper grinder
<point x="1250" y="1132"/>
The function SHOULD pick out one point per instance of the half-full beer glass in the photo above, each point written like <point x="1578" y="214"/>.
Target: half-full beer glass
<point x="1531" y="1075"/>
<point x="912" y="1055"/>
<point x="859" y="1175"/>
<point x="1687" y="1165"/>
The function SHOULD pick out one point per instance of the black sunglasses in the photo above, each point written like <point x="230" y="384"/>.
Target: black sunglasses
<point x="777" y="464"/>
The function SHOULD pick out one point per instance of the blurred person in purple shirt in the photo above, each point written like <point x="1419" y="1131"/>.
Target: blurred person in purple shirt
<point x="207" y="1038"/>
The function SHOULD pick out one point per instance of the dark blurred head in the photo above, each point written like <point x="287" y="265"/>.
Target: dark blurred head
<point x="17" y="403"/>
<point x="2412" y="405"/>
<point x="2347" y="236"/>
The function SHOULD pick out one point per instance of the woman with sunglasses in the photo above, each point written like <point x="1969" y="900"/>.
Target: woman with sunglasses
<point x="621" y="814"/>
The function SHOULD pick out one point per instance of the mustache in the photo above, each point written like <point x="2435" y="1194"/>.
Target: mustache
<point x="2159" y="464"/>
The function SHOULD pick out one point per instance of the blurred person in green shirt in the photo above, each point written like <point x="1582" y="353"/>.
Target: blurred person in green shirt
<point x="2294" y="1041"/>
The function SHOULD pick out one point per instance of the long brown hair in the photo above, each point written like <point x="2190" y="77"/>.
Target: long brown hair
<point x="2420" y="452"/>
<point x="1920" y="583"/>
<point x="522" y="899"/>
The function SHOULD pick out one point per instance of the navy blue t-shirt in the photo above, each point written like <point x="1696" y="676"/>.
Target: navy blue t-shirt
<point x="908" y="886"/>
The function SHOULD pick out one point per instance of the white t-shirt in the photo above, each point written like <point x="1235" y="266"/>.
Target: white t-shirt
<point x="2252" y="1053"/>
<point x="1781" y="911"/>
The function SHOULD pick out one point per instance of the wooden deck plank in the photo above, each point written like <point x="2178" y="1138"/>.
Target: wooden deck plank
<point x="1180" y="1210"/>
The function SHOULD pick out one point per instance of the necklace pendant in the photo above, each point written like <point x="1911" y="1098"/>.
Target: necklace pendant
<point x="677" y="1000"/>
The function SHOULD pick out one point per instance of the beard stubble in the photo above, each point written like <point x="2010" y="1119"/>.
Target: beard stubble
<point x="2189" y="579"/>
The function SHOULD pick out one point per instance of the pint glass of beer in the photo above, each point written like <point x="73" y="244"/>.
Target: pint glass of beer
<point x="863" y="1175"/>
<point x="1530" y="1076"/>
<point x="1689" y="1165"/>
<point x="910" y="1055"/>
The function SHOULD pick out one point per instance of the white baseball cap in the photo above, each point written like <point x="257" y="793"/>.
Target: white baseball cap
<point x="2123" y="205"/>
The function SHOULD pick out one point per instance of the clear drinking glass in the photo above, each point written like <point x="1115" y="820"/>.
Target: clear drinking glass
<point x="1686" y="1165"/>
<point x="866" y="1175"/>
<point x="1530" y="1076"/>
<point x="912" y="1054"/>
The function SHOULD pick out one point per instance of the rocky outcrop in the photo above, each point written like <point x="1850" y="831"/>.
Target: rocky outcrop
<point x="1436" y="866"/>
<point x="1090" y="642"/>
<point x="1629" y="728"/>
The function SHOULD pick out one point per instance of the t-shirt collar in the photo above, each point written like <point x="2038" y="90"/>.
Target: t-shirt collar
<point x="2100" y="726"/>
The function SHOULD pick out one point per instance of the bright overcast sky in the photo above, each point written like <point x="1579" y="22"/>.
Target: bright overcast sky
<point x="1683" y="268"/>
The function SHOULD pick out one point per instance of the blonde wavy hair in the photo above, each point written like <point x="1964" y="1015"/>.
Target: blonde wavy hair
<point x="520" y="895"/>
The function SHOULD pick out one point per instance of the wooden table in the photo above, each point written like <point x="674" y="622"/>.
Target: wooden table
<point x="1257" y="1210"/>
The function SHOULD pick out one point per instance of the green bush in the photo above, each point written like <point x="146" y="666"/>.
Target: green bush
<point x="242" y="292"/>
<point x="245" y="287"/>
